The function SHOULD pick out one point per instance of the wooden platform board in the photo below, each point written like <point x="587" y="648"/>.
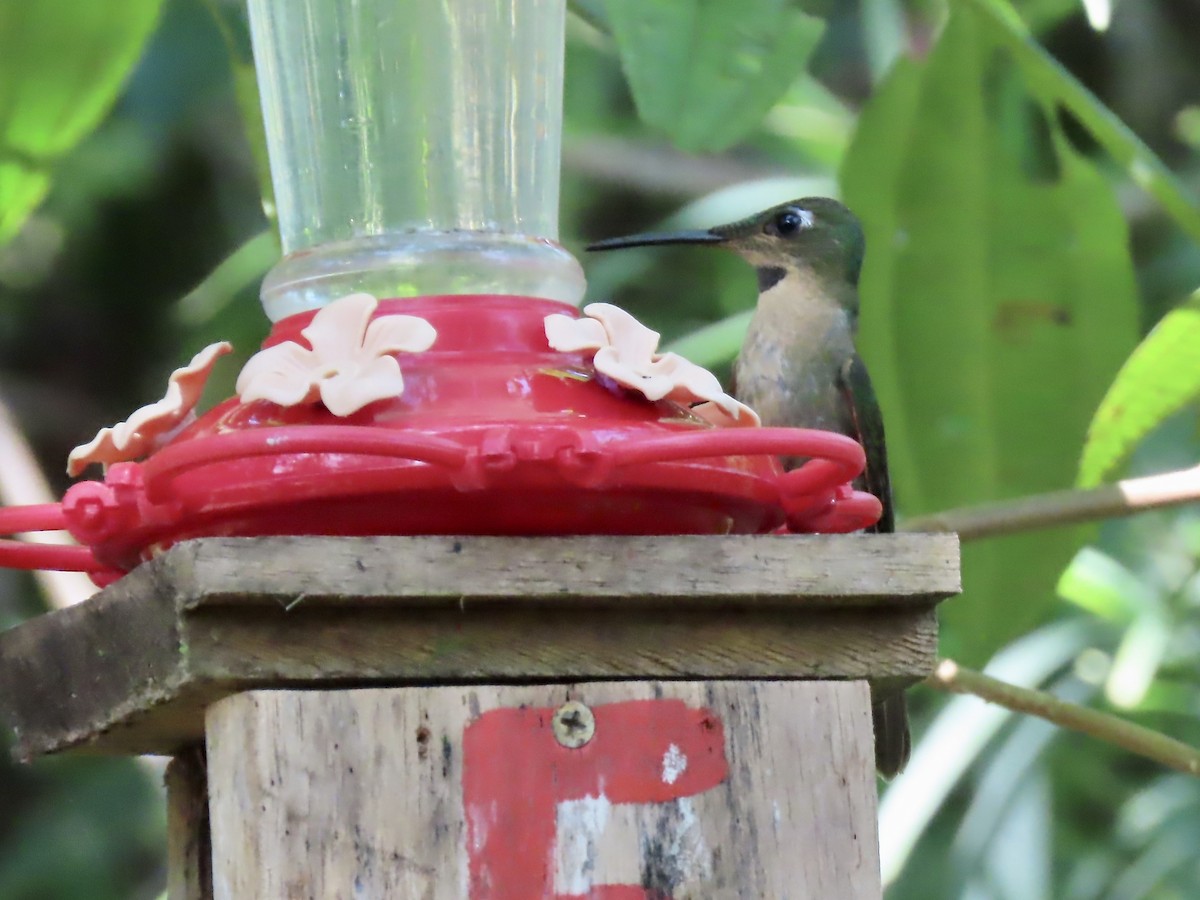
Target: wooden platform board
<point x="132" y="669"/>
<point x="690" y="790"/>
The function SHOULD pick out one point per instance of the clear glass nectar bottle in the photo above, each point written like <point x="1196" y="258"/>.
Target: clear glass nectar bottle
<point x="415" y="148"/>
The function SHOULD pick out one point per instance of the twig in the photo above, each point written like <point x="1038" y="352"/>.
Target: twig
<point x="953" y="678"/>
<point x="1066" y="507"/>
<point x="22" y="482"/>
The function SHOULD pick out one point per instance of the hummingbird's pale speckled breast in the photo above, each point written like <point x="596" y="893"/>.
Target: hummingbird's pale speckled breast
<point x="790" y="365"/>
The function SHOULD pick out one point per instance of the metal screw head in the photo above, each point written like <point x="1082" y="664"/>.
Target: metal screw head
<point x="573" y="724"/>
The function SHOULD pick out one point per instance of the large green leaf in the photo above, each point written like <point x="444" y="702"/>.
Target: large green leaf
<point x="1160" y="378"/>
<point x="707" y="71"/>
<point x="61" y="65"/>
<point x="1055" y="86"/>
<point x="998" y="300"/>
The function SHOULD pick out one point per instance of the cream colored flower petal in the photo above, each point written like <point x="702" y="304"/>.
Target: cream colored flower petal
<point x="634" y="342"/>
<point x="718" y="415"/>
<point x="654" y="386"/>
<point x="669" y="376"/>
<point x="151" y="425"/>
<point x="694" y="383"/>
<point x="105" y="448"/>
<point x="184" y="387"/>
<point x="286" y="374"/>
<point x="348" y="366"/>
<point x="121" y="443"/>
<point x="338" y="329"/>
<point x="398" y="334"/>
<point x="627" y="352"/>
<point x="347" y="393"/>
<point x="691" y="382"/>
<point x="569" y="335"/>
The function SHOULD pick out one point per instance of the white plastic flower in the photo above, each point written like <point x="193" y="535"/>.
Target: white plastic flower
<point x="150" y="427"/>
<point x="627" y="352"/>
<point x="349" y="364"/>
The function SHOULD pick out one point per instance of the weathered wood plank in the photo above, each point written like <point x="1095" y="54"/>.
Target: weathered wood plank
<point x="839" y="570"/>
<point x="722" y="791"/>
<point x="67" y="674"/>
<point x="189" y="844"/>
<point x="131" y="670"/>
<point x="891" y="647"/>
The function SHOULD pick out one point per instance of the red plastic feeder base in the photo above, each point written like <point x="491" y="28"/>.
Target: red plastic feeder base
<point x="495" y="433"/>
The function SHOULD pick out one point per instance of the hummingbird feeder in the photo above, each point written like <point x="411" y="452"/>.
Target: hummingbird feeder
<point x="428" y="370"/>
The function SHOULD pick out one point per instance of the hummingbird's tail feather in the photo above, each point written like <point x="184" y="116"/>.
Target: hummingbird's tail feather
<point x="893" y="744"/>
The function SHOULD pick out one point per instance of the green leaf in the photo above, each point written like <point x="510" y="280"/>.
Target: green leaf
<point x="715" y="344"/>
<point x="1187" y="125"/>
<point x="998" y="296"/>
<point x="1043" y="14"/>
<point x="592" y="12"/>
<point x="244" y="267"/>
<point x="232" y="23"/>
<point x="1096" y="582"/>
<point x="1058" y="87"/>
<point x="884" y="34"/>
<point x="707" y="71"/>
<point x="62" y="64"/>
<point x="1159" y="379"/>
<point x="1136" y="662"/>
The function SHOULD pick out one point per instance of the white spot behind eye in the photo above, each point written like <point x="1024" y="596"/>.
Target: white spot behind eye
<point x="806" y="218"/>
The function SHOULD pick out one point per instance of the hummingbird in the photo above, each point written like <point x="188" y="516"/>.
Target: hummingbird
<point x="799" y="366"/>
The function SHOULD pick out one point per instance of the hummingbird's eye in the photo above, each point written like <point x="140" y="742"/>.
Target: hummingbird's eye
<point x="792" y="220"/>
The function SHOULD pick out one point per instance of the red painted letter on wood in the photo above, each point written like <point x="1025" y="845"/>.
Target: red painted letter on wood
<point x="515" y="775"/>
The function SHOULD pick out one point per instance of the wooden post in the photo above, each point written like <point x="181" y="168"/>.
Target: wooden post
<point x="189" y="837"/>
<point x="490" y="718"/>
<point x="694" y="789"/>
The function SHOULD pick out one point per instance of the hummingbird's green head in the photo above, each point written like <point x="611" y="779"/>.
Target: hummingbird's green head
<point x="818" y="234"/>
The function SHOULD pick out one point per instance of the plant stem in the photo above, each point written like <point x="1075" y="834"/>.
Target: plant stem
<point x="593" y="13"/>
<point x="1065" y="507"/>
<point x="243" y="267"/>
<point x="953" y="678"/>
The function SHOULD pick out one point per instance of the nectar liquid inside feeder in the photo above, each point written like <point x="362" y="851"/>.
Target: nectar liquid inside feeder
<point x="439" y="194"/>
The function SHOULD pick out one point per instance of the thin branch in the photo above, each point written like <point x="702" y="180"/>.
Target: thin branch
<point x="953" y="678"/>
<point x="22" y="482"/>
<point x="1125" y="498"/>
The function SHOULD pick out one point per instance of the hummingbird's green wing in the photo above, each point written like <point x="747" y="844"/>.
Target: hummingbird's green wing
<point x="855" y="385"/>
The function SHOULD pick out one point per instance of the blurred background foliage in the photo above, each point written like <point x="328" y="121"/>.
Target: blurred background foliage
<point x="1023" y="239"/>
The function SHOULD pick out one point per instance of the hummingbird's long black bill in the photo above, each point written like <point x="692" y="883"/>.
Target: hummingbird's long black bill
<point x="655" y="239"/>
